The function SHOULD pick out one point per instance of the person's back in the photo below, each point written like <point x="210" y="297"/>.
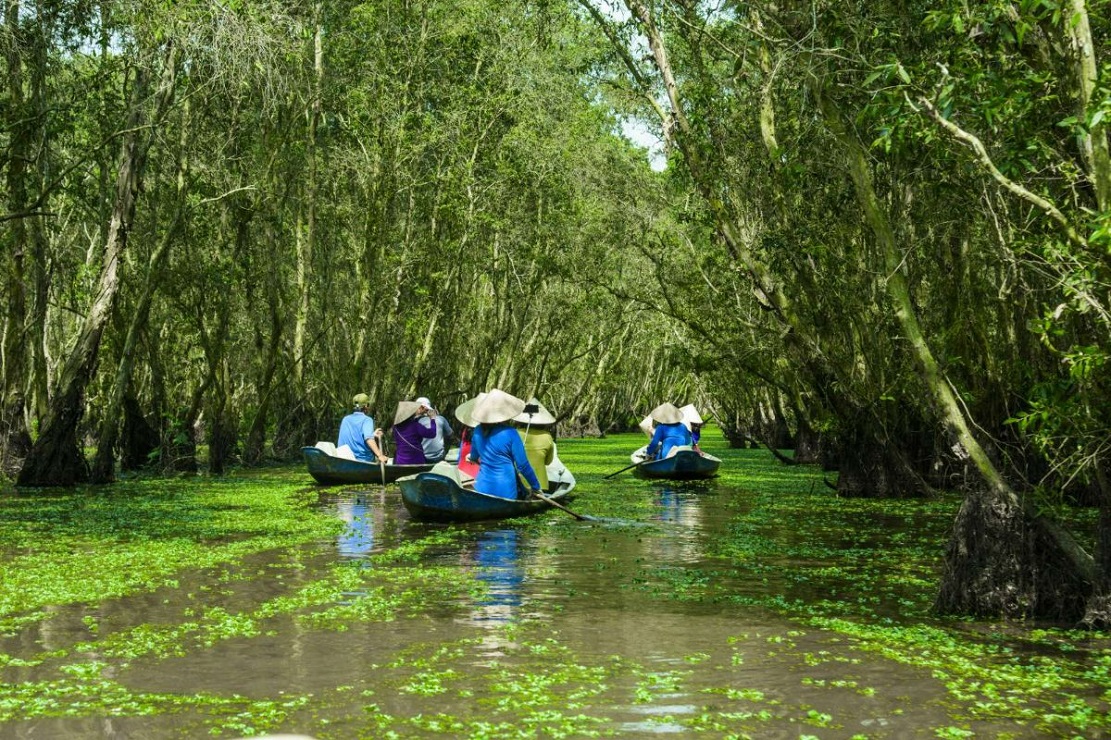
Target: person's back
<point x="408" y="433"/>
<point x="540" y="451"/>
<point x="501" y="455"/>
<point x="435" y="448"/>
<point x="669" y="431"/>
<point x="666" y="437"/>
<point x="357" y="432"/>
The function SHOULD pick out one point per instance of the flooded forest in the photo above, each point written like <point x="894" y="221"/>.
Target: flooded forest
<point x="870" y="242"/>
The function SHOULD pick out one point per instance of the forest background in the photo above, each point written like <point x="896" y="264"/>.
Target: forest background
<point x="879" y="240"/>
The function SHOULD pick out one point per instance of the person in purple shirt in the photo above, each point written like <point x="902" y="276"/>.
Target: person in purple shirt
<point x="408" y="433"/>
<point x="358" y="433"/>
<point x="498" y="449"/>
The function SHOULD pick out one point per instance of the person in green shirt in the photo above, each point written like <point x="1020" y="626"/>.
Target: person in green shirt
<point x="534" y="424"/>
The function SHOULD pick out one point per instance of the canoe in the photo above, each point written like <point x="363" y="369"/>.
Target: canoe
<point x="440" y="497"/>
<point x="331" y="469"/>
<point x="684" y="463"/>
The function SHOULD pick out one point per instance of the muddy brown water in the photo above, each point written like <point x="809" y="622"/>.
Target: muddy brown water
<point x="571" y="636"/>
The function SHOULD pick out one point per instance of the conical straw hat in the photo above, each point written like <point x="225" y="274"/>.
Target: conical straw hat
<point x="498" y="406"/>
<point x="666" y="413"/>
<point x="690" y="414"/>
<point x="463" y="411"/>
<point x="543" y="416"/>
<point x="405" y="410"/>
<point x="646" y="425"/>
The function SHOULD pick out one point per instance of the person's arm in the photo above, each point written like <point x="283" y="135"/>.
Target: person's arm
<point x="372" y="443"/>
<point x="524" y="467"/>
<point x="427" y="432"/>
<point x="478" y="441"/>
<point x="654" y="445"/>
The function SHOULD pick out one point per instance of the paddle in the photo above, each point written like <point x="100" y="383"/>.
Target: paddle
<point x="558" y="505"/>
<point x="627" y="467"/>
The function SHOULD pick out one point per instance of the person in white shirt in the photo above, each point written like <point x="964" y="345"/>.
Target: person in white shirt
<point x="434" y="447"/>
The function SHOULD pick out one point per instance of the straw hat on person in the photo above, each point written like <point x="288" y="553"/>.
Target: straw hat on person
<point x="647" y="426"/>
<point x="666" y="413"/>
<point x="423" y="401"/>
<point x="498" y="406"/>
<point x="690" y="414"/>
<point x="463" y="410"/>
<point x="360" y="400"/>
<point x="405" y="410"/>
<point x="542" y="416"/>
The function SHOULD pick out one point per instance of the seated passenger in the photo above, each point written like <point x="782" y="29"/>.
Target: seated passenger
<point x="669" y="433"/>
<point x="435" y="448"/>
<point x="534" y="425"/>
<point x="693" y="421"/>
<point x="408" y="433"/>
<point x="498" y="448"/>
<point x="463" y="414"/>
<point x="358" y="433"/>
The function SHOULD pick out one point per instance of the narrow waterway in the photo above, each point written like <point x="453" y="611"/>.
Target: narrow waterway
<point x="682" y="609"/>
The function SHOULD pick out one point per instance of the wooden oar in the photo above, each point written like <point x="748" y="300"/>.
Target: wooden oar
<point x="627" y="467"/>
<point x="558" y="505"/>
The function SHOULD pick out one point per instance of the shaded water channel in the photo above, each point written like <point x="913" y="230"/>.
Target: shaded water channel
<point x="679" y="610"/>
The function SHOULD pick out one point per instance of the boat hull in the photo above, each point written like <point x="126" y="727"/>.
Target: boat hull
<point x="683" y="465"/>
<point x="332" y="470"/>
<point x="440" y="498"/>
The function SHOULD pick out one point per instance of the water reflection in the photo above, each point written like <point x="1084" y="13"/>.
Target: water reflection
<point x="497" y="554"/>
<point x="357" y="538"/>
<point x="683" y="507"/>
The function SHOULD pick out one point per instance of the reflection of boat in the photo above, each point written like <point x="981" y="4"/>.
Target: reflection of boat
<point x="440" y="495"/>
<point x="682" y="463"/>
<point x="329" y="468"/>
<point x="358" y="536"/>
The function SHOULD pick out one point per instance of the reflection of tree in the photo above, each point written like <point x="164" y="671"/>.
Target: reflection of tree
<point x="358" y="537"/>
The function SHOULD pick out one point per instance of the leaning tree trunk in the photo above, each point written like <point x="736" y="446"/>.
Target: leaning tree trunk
<point x="103" y="468"/>
<point x="56" y="459"/>
<point x="1002" y="560"/>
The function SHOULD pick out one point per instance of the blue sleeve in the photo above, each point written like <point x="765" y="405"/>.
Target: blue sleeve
<point x="478" y="441"/>
<point x="524" y="467"/>
<point x="657" y="436"/>
<point x="368" y="428"/>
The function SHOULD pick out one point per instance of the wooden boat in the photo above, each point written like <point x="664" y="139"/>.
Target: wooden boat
<point x="442" y="496"/>
<point x="328" y="468"/>
<point x="684" y="463"/>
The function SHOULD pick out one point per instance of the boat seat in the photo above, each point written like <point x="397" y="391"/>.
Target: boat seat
<point x="345" y="452"/>
<point x="327" y="448"/>
<point x="451" y="471"/>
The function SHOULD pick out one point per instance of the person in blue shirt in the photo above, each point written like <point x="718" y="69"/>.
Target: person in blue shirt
<point x="670" y="431"/>
<point x="357" y="432"/>
<point x="497" y="448"/>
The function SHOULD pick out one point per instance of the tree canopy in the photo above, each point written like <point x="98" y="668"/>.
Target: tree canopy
<point x="880" y="239"/>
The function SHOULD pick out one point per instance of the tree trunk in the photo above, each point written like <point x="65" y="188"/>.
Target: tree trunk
<point x="15" y="441"/>
<point x="56" y="459"/>
<point x="1001" y="560"/>
<point x="139" y="440"/>
<point x="103" y="468"/>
